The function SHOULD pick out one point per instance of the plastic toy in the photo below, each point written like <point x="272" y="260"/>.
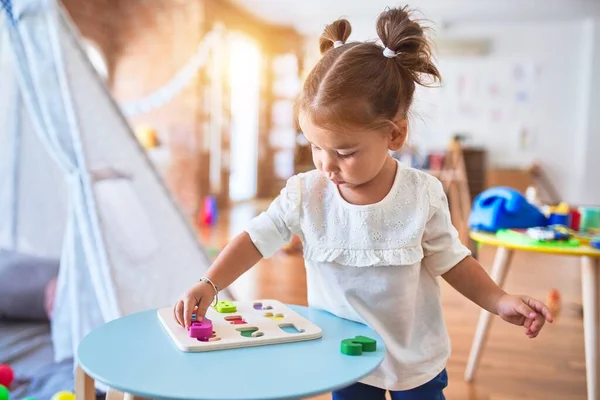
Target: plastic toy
<point x="358" y="344"/>
<point x="547" y="233"/>
<point x="503" y="208"/>
<point x="147" y="137"/>
<point x="559" y="219"/>
<point x="521" y="237"/>
<point x="201" y="330"/>
<point x="584" y="238"/>
<point x="574" y="219"/>
<point x="590" y="218"/>
<point x="4" y="393"/>
<point x="260" y="306"/>
<point x="225" y="307"/>
<point x="249" y="326"/>
<point x="64" y="395"/>
<point x="7" y="375"/>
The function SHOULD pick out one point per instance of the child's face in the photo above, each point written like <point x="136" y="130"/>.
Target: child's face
<point x="348" y="159"/>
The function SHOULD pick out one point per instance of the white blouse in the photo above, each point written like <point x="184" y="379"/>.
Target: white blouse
<point x="377" y="264"/>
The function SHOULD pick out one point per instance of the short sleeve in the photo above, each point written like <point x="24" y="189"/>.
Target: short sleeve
<point x="441" y="245"/>
<point x="273" y="228"/>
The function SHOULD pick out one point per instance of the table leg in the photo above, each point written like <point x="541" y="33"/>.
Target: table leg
<point x="84" y="385"/>
<point x="589" y="286"/>
<point x="498" y="275"/>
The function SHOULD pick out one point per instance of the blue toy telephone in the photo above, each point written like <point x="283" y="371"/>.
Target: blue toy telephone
<point x="504" y="208"/>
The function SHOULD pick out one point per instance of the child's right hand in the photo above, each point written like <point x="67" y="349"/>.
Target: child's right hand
<point x="200" y="295"/>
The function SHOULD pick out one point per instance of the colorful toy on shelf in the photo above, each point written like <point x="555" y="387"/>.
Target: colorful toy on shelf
<point x="574" y="219"/>
<point x="590" y="219"/>
<point x="504" y="208"/>
<point x="147" y="137"/>
<point x="209" y="210"/>
<point x="558" y="215"/>
<point x="547" y="233"/>
<point x="7" y="375"/>
<point x="584" y="238"/>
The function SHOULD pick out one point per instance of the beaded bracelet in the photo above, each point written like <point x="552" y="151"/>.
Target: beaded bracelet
<point x="206" y="280"/>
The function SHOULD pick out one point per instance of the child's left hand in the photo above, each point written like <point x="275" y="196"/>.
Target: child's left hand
<point x="524" y="311"/>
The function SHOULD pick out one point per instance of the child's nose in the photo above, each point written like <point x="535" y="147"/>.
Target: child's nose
<point x="329" y="164"/>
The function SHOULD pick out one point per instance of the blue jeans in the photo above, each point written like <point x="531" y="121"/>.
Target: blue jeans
<point x="432" y="390"/>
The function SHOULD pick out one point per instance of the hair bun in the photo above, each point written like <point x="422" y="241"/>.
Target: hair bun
<point x="406" y="37"/>
<point x="338" y="31"/>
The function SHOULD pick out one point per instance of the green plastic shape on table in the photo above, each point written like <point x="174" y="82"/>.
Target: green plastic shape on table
<point x="358" y="344"/>
<point x="225" y="306"/>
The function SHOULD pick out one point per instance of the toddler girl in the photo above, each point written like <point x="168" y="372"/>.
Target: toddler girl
<point x="376" y="234"/>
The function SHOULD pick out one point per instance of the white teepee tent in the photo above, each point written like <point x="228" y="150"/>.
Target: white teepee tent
<point x="76" y="184"/>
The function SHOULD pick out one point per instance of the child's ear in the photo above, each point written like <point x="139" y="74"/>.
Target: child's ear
<point x="398" y="134"/>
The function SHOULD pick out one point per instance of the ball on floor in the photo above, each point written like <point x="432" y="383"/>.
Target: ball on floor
<point x="7" y="375"/>
<point x="4" y="393"/>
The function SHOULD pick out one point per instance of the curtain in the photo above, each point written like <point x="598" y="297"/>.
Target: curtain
<point x="86" y="296"/>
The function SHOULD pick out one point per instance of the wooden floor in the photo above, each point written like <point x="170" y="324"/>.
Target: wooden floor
<point x="513" y="366"/>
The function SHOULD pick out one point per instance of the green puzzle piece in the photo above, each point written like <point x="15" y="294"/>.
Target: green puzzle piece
<point x="356" y="346"/>
<point x="225" y="306"/>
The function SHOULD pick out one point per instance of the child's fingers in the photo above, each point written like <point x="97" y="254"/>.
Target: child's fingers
<point x="540" y="308"/>
<point x="188" y="309"/>
<point x="530" y="332"/>
<point x="179" y="312"/>
<point x="202" y="307"/>
<point x="536" y="326"/>
<point x="525" y="310"/>
<point x="527" y="323"/>
<point x="176" y="312"/>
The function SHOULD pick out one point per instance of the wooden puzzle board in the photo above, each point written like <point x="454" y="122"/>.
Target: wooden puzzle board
<point x="263" y="322"/>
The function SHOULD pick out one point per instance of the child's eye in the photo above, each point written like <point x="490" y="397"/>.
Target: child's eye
<point x="349" y="155"/>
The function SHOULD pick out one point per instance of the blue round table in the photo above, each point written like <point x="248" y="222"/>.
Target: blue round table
<point x="135" y="355"/>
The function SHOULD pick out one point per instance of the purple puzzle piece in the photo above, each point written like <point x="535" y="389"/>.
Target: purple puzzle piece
<point x="201" y="330"/>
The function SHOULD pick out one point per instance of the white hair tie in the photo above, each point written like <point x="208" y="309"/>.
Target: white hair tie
<point x="389" y="53"/>
<point x="337" y="43"/>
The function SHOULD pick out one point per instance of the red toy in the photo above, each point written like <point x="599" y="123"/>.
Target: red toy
<point x="6" y="375"/>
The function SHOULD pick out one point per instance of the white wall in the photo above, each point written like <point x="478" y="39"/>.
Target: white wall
<point x="587" y="179"/>
<point x="561" y="61"/>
